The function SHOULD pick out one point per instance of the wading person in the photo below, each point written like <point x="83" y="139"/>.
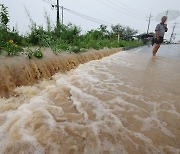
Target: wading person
<point x="159" y="34"/>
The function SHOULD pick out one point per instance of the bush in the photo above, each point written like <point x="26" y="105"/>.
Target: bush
<point x="74" y="49"/>
<point x="38" y="53"/>
<point x="12" y="48"/>
<point x="4" y="16"/>
<point x="30" y="52"/>
<point x="10" y="41"/>
<point x="37" y="36"/>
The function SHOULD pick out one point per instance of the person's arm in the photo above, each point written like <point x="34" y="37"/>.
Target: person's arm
<point x="157" y="35"/>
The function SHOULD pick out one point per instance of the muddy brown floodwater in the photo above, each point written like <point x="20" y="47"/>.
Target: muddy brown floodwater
<point x="125" y="103"/>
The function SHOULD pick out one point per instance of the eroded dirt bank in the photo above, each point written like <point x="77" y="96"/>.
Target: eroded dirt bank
<point x="18" y="71"/>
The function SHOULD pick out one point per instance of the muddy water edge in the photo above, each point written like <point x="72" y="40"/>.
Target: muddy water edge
<point x="20" y="71"/>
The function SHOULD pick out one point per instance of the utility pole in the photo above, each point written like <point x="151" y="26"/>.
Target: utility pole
<point x="118" y="37"/>
<point x="149" y="21"/>
<point x="172" y="34"/>
<point x="58" y="20"/>
<point x="62" y="15"/>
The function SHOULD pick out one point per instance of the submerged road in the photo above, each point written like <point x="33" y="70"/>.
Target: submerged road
<point x="125" y="103"/>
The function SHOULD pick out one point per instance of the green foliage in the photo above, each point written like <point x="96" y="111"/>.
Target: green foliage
<point x="12" y="48"/>
<point x="3" y="37"/>
<point x="39" y="36"/>
<point x="124" y="32"/>
<point x="30" y="52"/>
<point x="38" y="53"/>
<point x="48" y="21"/>
<point x="10" y="41"/>
<point x="74" y="49"/>
<point x="61" y="38"/>
<point x="4" y="16"/>
<point x="69" y="33"/>
<point x="69" y="37"/>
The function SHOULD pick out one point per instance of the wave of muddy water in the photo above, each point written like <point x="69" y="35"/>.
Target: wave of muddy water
<point x="19" y="71"/>
<point x="124" y="103"/>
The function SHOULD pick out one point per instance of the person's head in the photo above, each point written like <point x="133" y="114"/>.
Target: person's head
<point x="164" y="19"/>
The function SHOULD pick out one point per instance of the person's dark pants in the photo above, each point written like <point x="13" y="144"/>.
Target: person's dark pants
<point x="158" y="41"/>
<point x="152" y="41"/>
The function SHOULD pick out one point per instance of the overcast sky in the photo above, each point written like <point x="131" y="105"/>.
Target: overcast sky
<point x="131" y="13"/>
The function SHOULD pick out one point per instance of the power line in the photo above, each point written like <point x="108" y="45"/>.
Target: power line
<point x="130" y="8"/>
<point x="92" y="9"/>
<point x="117" y="9"/>
<point x="48" y="1"/>
<point x="130" y="12"/>
<point x="113" y="6"/>
<point x="88" y="17"/>
<point x="57" y="6"/>
<point x="95" y="20"/>
<point x="80" y="14"/>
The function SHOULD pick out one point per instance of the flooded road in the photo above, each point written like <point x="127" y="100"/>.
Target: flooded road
<point x="125" y="103"/>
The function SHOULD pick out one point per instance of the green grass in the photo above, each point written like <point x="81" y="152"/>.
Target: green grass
<point x="64" y="38"/>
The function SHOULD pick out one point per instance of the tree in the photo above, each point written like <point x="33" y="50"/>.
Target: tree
<point x="118" y="29"/>
<point x="129" y="32"/>
<point x="4" y="16"/>
<point x="104" y="31"/>
<point x="124" y="32"/>
<point x="70" y="32"/>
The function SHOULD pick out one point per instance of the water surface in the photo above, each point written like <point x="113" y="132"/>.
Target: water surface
<point x="125" y="103"/>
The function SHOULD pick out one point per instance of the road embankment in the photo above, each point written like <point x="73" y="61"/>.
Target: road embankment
<point x="19" y="71"/>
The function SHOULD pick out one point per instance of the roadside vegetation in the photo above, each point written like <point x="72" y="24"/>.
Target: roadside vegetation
<point x="62" y="38"/>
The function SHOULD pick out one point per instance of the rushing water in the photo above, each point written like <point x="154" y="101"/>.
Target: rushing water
<point x="125" y="103"/>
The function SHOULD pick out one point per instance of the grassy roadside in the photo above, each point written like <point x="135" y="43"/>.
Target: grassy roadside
<point x="62" y="38"/>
